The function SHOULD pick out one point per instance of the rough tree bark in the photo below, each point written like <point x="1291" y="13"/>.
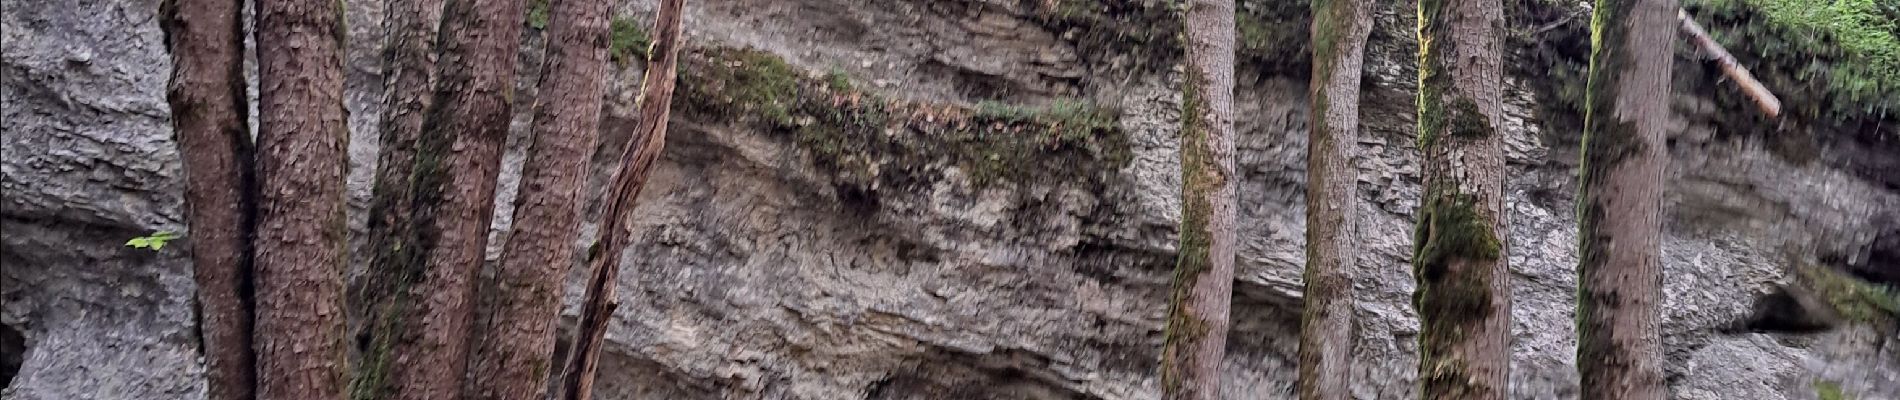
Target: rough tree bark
<point x="636" y="160"/>
<point x="1340" y="28"/>
<point x="516" y="342"/>
<point x="301" y="230"/>
<point x="457" y="159"/>
<point x="1619" y="298"/>
<point x="1463" y="295"/>
<point x="1196" y="335"/>
<point x="208" y="104"/>
<point x="409" y="57"/>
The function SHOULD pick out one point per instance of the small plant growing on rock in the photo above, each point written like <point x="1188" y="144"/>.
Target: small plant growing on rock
<point x="155" y="241"/>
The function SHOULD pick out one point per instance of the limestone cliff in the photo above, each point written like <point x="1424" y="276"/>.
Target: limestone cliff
<point x="975" y="199"/>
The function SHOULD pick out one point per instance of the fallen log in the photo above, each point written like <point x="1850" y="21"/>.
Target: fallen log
<point x="1751" y="87"/>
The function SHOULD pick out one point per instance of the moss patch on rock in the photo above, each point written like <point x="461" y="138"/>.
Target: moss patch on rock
<point x="1856" y="300"/>
<point x="1272" y="35"/>
<point x="868" y="141"/>
<point x="627" y="42"/>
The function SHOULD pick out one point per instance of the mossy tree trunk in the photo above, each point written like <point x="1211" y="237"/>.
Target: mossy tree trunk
<point x="208" y="104"/>
<point x="1340" y="28"/>
<point x="636" y="162"/>
<point x="1463" y="295"/>
<point x="516" y="343"/>
<point x="409" y="56"/>
<point x="422" y="344"/>
<point x="1196" y="336"/>
<point x="1619" y="298"/>
<point x="301" y="232"/>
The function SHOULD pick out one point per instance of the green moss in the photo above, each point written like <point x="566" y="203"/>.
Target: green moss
<point x="1449" y="229"/>
<point x="1845" y="50"/>
<point x="1828" y="390"/>
<point x="837" y="81"/>
<point x="871" y="141"/>
<point x="627" y="42"/>
<point x="1199" y="180"/>
<point x="1433" y="81"/>
<point x="1856" y="300"/>
<point x="538" y="14"/>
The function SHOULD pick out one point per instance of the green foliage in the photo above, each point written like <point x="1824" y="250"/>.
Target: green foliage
<point x="1855" y="299"/>
<point x="1828" y="390"/>
<point x="538" y="14"/>
<point x="866" y="138"/>
<point x="751" y="82"/>
<point x="1851" y="45"/>
<point x="837" y="81"/>
<point x="627" y="41"/>
<point x="155" y="241"/>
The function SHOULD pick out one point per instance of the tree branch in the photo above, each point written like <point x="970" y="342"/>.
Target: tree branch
<point x="1763" y="98"/>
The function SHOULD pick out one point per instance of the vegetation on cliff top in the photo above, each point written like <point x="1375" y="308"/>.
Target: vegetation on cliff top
<point x="870" y="141"/>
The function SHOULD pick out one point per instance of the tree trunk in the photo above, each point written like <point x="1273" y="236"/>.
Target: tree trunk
<point x="643" y="148"/>
<point x="1459" y="255"/>
<point x="457" y="160"/>
<point x="1340" y="28"/>
<point x="208" y="112"/>
<point x="301" y="230"/>
<point x="409" y="57"/>
<point x="516" y="341"/>
<point x="1204" y="272"/>
<point x="1619" y="298"/>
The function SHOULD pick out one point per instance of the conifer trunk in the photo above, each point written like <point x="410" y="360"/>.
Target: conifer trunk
<point x="409" y="57"/>
<point x="301" y="231"/>
<point x="1619" y="298"/>
<point x="1340" y="28"/>
<point x="636" y="161"/>
<point x="516" y="346"/>
<point x="457" y="160"/>
<point x="1459" y="257"/>
<point x="1196" y="335"/>
<point x="208" y="102"/>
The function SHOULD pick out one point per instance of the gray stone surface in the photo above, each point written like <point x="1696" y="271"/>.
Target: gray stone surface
<point x="754" y="277"/>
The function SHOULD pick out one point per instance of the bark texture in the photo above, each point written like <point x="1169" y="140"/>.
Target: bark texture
<point x="636" y="161"/>
<point x="1459" y="257"/>
<point x="1340" y="28"/>
<point x="1619" y="298"/>
<point x="1203" y="281"/>
<point x="517" y="338"/>
<point x="409" y="57"/>
<point x="208" y="102"/>
<point x="301" y="230"/>
<point x="457" y="160"/>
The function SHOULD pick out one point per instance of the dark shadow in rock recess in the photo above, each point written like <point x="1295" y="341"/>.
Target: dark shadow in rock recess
<point x="12" y="353"/>
<point x="1790" y="310"/>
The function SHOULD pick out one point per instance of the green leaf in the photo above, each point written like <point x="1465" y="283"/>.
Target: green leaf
<point x="155" y="241"/>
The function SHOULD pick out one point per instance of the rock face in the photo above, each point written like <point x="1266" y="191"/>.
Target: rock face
<point x="762" y="271"/>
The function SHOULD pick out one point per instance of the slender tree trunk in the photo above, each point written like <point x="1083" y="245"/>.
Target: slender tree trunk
<point x="1204" y="272"/>
<point x="636" y="161"/>
<point x="1463" y="295"/>
<point x="301" y="230"/>
<point x="409" y="57"/>
<point x="425" y="334"/>
<point x="1619" y="298"/>
<point x="517" y="340"/>
<point x="208" y="112"/>
<point x="1340" y="28"/>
